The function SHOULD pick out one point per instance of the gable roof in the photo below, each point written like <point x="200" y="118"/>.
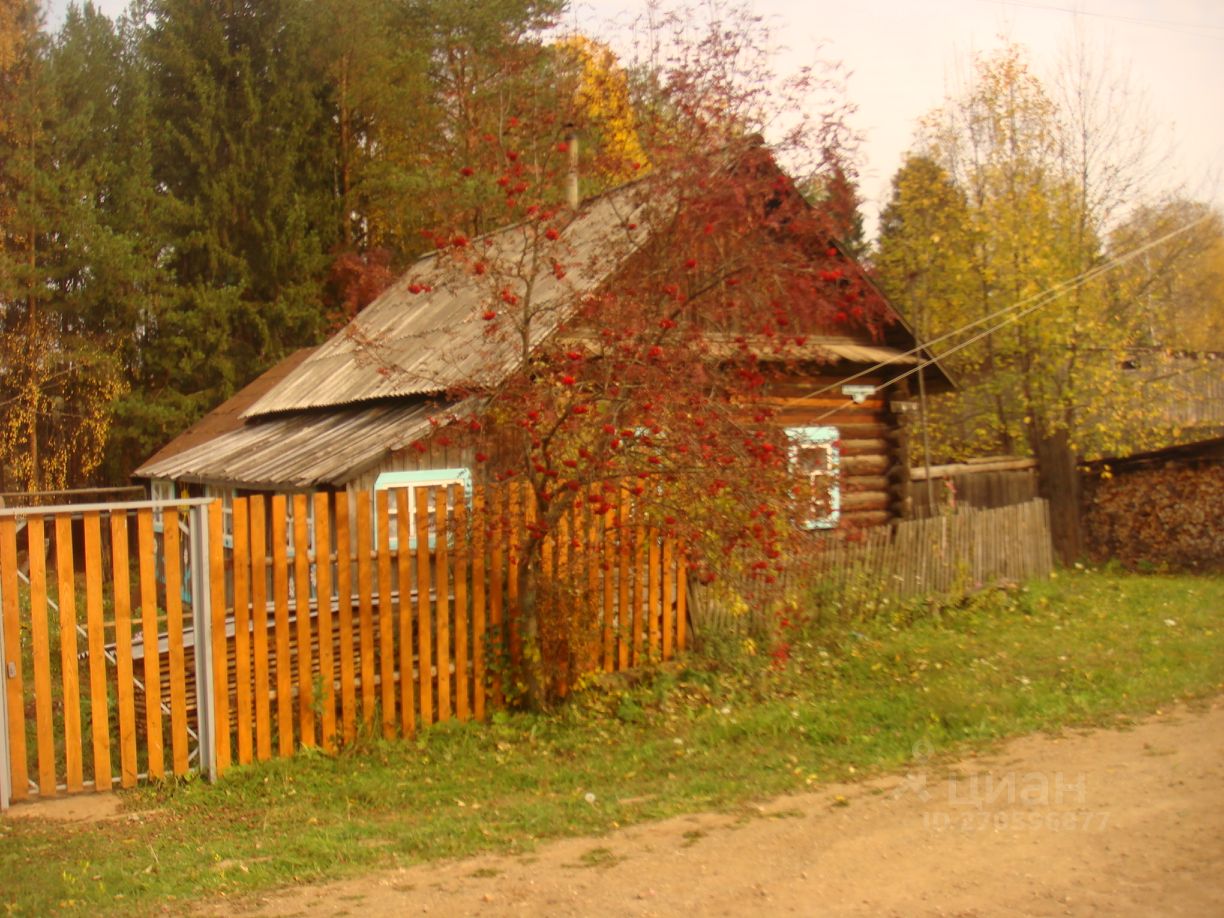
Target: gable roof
<point x="425" y="334"/>
<point x="324" y="415"/>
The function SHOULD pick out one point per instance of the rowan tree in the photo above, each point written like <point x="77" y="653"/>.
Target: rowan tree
<point x="641" y="327"/>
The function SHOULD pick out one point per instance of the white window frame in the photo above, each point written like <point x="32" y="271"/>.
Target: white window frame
<point x="827" y="437"/>
<point x="290" y="550"/>
<point x="227" y="512"/>
<point x="160" y="489"/>
<point x="421" y="478"/>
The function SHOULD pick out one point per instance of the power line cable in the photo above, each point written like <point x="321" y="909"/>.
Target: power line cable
<point x="1204" y="29"/>
<point x="1012" y="314"/>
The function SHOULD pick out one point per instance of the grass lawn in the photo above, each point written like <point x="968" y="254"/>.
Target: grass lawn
<point x="713" y="732"/>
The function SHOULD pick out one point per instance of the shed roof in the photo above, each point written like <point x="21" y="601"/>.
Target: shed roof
<point x="409" y="343"/>
<point x="1209" y="451"/>
<point x="300" y="451"/>
<point x="227" y="416"/>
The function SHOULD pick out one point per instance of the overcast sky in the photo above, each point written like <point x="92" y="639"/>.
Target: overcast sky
<point x="904" y="56"/>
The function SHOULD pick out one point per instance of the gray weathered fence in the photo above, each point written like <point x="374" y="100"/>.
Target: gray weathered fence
<point x="954" y="552"/>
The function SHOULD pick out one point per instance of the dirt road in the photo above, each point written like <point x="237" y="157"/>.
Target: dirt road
<point x="1097" y="823"/>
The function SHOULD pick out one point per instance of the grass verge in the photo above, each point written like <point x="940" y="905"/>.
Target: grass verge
<point x="1086" y="648"/>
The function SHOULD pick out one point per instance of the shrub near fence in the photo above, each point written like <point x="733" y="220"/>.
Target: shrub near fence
<point x="299" y="621"/>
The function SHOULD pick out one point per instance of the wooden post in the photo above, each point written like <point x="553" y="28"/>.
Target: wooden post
<point x="258" y="510"/>
<point x="326" y="629"/>
<point x="442" y="592"/>
<point x="14" y="741"/>
<point x="99" y="706"/>
<point x="365" y="610"/>
<point x="126" y="689"/>
<point x="280" y="601"/>
<point x="463" y="547"/>
<point x="386" y="616"/>
<point x="242" y="628"/>
<point x="150" y="636"/>
<point x="171" y="556"/>
<point x="424" y="618"/>
<point x="344" y="602"/>
<point x="301" y="607"/>
<point x="407" y="646"/>
<point x="477" y="525"/>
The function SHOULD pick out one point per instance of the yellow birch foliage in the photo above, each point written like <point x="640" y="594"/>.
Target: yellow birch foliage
<point x="1017" y="233"/>
<point x="603" y="97"/>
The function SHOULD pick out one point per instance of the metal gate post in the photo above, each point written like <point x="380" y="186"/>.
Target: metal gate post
<point x="201" y="614"/>
<point x="6" y="790"/>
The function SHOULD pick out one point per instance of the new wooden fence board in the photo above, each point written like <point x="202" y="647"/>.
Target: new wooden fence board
<point x="262" y="700"/>
<point x="280" y="609"/>
<point x="424" y="619"/>
<point x="174" y="640"/>
<point x="407" y="647"/>
<point x="386" y="620"/>
<point x="462" y="553"/>
<point x="40" y="648"/>
<point x="497" y="574"/>
<point x="640" y="575"/>
<point x="592" y="591"/>
<point x="150" y="638"/>
<point x="653" y="600"/>
<point x="242" y="629"/>
<point x="14" y="682"/>
<point x="623" y="618"/>
<point x="365" y="608"/>
<point x="125" y="682"/>
<point x="442" y="616"/>
<point x="323" y="588"/>
<point x="478" y="527"/>
<point x="99" y="709"/>
<point x="669" y="592"/>
<point x="301" y="607"/>
<point x="69" y="660"/>
<point x="608" y="578"/>
<point x="220" y="641"/>
<point x="681" y="602"/>
<point x="517" y="524"/>
<point x="344" y="600"/>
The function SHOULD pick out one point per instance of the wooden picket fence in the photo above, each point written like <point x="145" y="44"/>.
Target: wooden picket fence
<point x="299" y="621"/>
<point x="99" y="585"/>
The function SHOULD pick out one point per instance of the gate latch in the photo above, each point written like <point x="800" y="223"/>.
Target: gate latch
<point x="11" y="669"/>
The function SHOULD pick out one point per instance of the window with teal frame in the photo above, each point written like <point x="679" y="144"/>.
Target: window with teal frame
<point x="410" y="481"/>
<point x="815" y="456"/>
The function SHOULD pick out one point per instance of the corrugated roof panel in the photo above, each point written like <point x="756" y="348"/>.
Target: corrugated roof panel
<point x="303" y="451"/>
<point x="228" y="415"/>
<point x="407" y="343"/>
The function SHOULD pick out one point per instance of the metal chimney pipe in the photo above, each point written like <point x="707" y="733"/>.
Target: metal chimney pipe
<point x="571" y="175"/>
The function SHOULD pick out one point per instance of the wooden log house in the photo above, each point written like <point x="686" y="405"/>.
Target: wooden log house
<point x="333" y="418"/>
